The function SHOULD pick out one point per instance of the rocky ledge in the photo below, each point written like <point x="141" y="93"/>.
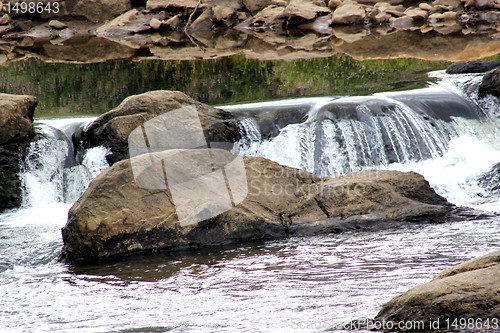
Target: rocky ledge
<point x="463" y="298"/>
<point x="99" y="30"/>
<point x="16" y="131"/>
<point x="132" y="208"/>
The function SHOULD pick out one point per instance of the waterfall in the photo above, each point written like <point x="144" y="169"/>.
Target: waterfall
<point x="51" y="173"/>
<point x="347" y="134"/>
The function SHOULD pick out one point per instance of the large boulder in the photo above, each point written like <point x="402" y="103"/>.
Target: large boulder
<point x="463" y="298"/>
<point x="16" y="130"/>
<point x="490" y="83"/>
<point x="188" y="198"/>
<point x="113" y="128"/>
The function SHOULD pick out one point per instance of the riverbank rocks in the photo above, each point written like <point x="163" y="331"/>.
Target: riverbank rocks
<point x="216" y="14"/>
<point x="267" y="29"/>
<point x="491" y="83"/>
<point x="16" y="130"/>
<point x="467" y="293"/>
<point x="113" y="128"/>
<point x="131" y="208"/>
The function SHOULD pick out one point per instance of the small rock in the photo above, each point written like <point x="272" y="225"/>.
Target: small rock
<point x="490" y="83"/>
<point x="349" y="13"/>
<point x="389" y="9"/>
<point x="203" y="22"/>
<point x="404" y="22"/>
<point x="257" y="5"/>
<point x="483" y="4"/>
<point x="489" y="16"/>
<point x="242" y="16"/>
<point x="24" y="25"/>
<point x="155" y="23"/>
<point x="417" y="13"/>
<point x="26" y="42"/>
<point x="425" y="29"/>
<point x="5" y="28"/>
<point x="382" y="17"/>
<point x="304" y="9"/>
<point x="57" y="24"/>
<point x="155" y="5"/>
<point x="57" y="41"/>
<point x="424" y="6"/>
<point x="173" y="22"/>
<point x="448" y="4"/>
<point x="447" y="16"/>
<point x="4" y="19"/>
<point x="268" y="16"/>
<point x="332" y="4"/>
<point x="225" y="14"/>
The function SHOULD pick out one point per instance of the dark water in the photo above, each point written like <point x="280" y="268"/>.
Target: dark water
<point x="91" y="89"/>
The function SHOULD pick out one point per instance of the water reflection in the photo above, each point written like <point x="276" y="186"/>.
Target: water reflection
<point x="83" y="89"/>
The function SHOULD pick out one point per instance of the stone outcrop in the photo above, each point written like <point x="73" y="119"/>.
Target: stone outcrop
<point x="467" y="292"/>
<point x="491" y="83"/>
<point x="113" y="128"/>
<point x="130" y="208"/>
<point x="16" y="130"/>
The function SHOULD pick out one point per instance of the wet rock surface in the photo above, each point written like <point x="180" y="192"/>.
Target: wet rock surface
<point x="125" y="211"/>
<point x="466" y="293"/>
<point x="113" y="128"/>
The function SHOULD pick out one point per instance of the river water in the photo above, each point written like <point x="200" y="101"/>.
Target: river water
<point x="308" y="284"/>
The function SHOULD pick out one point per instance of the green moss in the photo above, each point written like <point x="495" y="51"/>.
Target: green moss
<point x="91" y="89"/>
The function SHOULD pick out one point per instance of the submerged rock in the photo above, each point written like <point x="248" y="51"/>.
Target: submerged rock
<point x="132" y="207"/>
<point x="463" y="298"/>
<point x="16" y="130"/>
<point x="113" y="128"/>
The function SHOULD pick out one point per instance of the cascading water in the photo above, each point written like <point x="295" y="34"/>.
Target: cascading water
<point x="440" y="124"/>
<point x="50" y="173"/>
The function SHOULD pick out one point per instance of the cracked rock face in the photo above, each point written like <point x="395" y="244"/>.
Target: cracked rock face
<point x="125" y="211"/>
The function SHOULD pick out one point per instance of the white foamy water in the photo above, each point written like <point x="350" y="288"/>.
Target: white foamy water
<point x="455" y="174"/>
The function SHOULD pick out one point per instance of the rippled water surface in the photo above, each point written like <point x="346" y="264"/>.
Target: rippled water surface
<point x="299" y="284"/>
